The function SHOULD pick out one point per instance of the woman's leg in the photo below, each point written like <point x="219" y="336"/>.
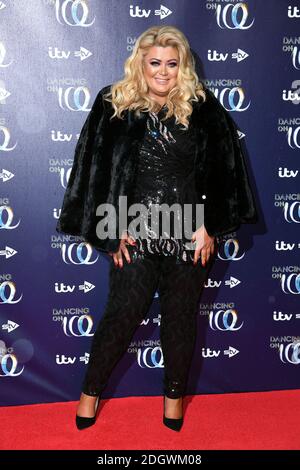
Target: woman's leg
<point x="131" y="291"/>
<point x="180" y="288"/>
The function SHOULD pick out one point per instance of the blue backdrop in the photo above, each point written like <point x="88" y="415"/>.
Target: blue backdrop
<point x="54" y="58"/>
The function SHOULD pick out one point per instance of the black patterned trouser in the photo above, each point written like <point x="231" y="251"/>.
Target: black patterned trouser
<point x="131" y="292"/>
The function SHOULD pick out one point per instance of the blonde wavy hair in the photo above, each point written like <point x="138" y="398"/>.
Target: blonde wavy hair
<point x="131" y="92"/>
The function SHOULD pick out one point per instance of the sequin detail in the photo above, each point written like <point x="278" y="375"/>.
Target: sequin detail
<point x="165" y="162"/>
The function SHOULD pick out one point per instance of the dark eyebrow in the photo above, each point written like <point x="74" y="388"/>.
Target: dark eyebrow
<point x="154" y="58"/>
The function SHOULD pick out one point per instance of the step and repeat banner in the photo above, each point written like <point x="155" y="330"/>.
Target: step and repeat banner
<point x="55" y="55"/>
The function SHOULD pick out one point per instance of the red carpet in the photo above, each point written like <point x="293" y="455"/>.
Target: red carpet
<point x="264" y="420"/>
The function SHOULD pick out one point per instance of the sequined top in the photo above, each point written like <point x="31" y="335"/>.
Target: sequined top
<point x="164" y="174"/>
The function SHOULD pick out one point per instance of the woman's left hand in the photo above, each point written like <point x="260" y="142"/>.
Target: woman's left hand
<point x="205" y="245"/>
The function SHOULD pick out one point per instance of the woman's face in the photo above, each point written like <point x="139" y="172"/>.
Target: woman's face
<point x="161" y="66"/>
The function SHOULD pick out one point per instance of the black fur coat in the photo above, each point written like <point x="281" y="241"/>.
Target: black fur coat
<point x="105" y="161"/>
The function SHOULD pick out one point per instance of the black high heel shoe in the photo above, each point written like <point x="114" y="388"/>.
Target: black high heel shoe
<point x="82" y="422"/>
<point x="173" y="423"/>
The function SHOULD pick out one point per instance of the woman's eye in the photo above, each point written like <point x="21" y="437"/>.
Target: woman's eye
<point x="172" y="64"/>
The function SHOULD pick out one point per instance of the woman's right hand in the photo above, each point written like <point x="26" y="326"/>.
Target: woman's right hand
<point x="117" y="257"/>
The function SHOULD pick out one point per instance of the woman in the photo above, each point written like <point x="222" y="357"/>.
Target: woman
<point x="156" y="137"/>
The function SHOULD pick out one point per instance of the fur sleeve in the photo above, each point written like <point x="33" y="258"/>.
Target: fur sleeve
<point x="72" y="220"/>
<point x="230" y="200"/>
